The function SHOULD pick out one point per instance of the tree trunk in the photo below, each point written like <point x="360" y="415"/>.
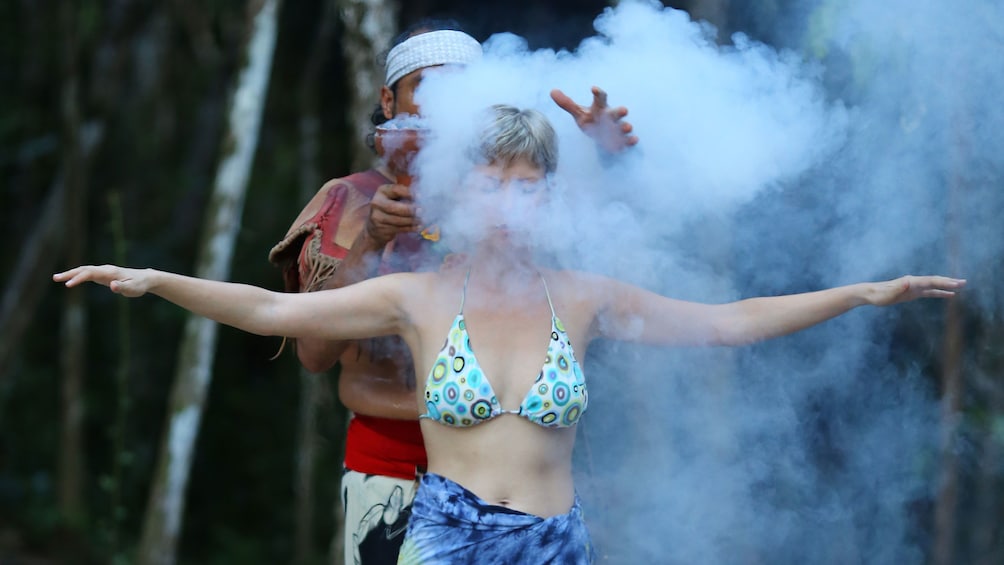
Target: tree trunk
<point x="118" y="513"/>
<point x="948" y="496"/>
<point x="47" y="242"/>
<point x="162" y="523"/>
<point x="38" y="257"/>
<point x="953" y="343"/>
<point x="369" y="27"/>
<point x="73" y="337"/>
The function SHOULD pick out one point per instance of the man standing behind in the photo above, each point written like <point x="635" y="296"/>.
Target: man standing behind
<point x="339" y="238"/>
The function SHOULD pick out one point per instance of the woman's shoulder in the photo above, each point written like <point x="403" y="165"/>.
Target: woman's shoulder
<point x="409" y="279"/>
<point x="575" y="277"/>
<point x="419" y="284"/>
<point x="575" y="284"/>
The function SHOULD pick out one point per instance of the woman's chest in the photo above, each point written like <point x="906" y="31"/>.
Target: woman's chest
<point x="502" y="352"/>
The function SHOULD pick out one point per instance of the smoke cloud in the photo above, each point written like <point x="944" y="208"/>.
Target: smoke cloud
<point x="870" y="148"/>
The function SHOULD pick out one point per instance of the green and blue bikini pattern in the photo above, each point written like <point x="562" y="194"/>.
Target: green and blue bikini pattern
<point x="457" y="392"/>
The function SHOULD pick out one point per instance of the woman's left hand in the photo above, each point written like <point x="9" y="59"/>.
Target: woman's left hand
<point x="604" y="124"/>
<point x="910" y="287"/>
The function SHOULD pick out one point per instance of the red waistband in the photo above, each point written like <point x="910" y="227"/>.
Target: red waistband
<point x="378" y="446"/>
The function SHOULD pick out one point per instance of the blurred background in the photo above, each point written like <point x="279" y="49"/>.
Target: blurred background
<point x="120" y="436"/>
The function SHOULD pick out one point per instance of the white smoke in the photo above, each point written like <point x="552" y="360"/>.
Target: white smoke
<point x="760" y="172"/>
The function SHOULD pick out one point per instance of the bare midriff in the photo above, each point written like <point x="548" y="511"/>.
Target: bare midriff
<point x="507" y="461"/>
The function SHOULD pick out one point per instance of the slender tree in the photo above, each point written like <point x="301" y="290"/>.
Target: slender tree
<point x="953" y="343"/>
<point x="166" y="504"/>
<point x="951" y="404"/>
<point x="39" y="255"/>
<point x="73" y="338"/>
<point x="369" y="27"/>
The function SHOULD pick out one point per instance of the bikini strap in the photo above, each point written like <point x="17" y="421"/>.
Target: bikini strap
<point x="463" y="297"/>
<point x="548" y="293"/>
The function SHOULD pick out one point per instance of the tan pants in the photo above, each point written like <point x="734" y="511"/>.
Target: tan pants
<point x="377" y="509"/>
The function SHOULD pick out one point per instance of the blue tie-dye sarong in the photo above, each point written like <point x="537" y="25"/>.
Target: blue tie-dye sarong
<point x="450" y="524"/>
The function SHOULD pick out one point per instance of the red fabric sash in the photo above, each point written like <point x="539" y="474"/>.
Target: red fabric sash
<point x="378" y="446"/>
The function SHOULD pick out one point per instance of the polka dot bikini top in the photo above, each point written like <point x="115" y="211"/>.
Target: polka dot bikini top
<point x="458" y="394"/>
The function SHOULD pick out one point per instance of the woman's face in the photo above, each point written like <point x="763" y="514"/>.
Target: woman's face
<point x="506" y="199"/>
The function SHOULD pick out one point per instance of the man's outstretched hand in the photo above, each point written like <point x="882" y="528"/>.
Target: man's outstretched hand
<point x="604" y="124"/>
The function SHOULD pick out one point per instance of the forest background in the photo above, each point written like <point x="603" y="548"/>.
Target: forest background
<point x="119" y="143"/>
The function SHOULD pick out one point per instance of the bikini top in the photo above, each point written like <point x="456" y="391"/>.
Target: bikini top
<point x="458" y="394"/>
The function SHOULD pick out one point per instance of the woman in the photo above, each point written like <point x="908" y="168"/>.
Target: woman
<point x="498" y="423"/>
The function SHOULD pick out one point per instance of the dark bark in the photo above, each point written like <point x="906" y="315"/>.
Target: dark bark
<point x="73" y="337"/>
<point x="310" y="384"/>
<point x="369" y="27"/>
<point x="952" y="348"/>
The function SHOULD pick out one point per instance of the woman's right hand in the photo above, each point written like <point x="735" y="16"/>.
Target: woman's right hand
<point x="127" y="282"/>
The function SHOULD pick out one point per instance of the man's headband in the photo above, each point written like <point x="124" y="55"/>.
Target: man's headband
<point x="444" y="47"/>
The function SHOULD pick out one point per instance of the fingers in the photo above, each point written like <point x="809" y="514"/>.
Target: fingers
<point x="394" y="191"/>
<point x="910" y="287"/>
<point x="394" y="200"/>
<point x="952" y="282"/>
<point x="567" y="104"/>
<point x="936" y="282"/>
<point x="66" y="275"/>
<point x="944" y="287"/>
<point x="75" y="276"/>
<point x="625" y="129"/>
<point x="392" y="208"/>
<point x="937" y="293"/>
<point x="600" y="101"/>
<point x="78" y="275"/>
<point x="386" y="225"/>
<point x="392" y="212"/>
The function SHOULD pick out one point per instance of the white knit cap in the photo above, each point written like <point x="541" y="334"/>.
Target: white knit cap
<point x="443" y="47"/>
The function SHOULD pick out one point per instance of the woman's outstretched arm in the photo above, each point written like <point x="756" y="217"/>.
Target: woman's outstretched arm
<point x="368" y="309"/>
<point x="630" y="313"/>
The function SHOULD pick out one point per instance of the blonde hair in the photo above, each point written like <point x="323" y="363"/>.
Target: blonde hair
<point x="514" y="134"/>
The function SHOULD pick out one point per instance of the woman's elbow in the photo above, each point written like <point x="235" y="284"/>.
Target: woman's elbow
<point x="729" y="333"/>
<point x="316" y="354"/>
<point x="314" y="359"/>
